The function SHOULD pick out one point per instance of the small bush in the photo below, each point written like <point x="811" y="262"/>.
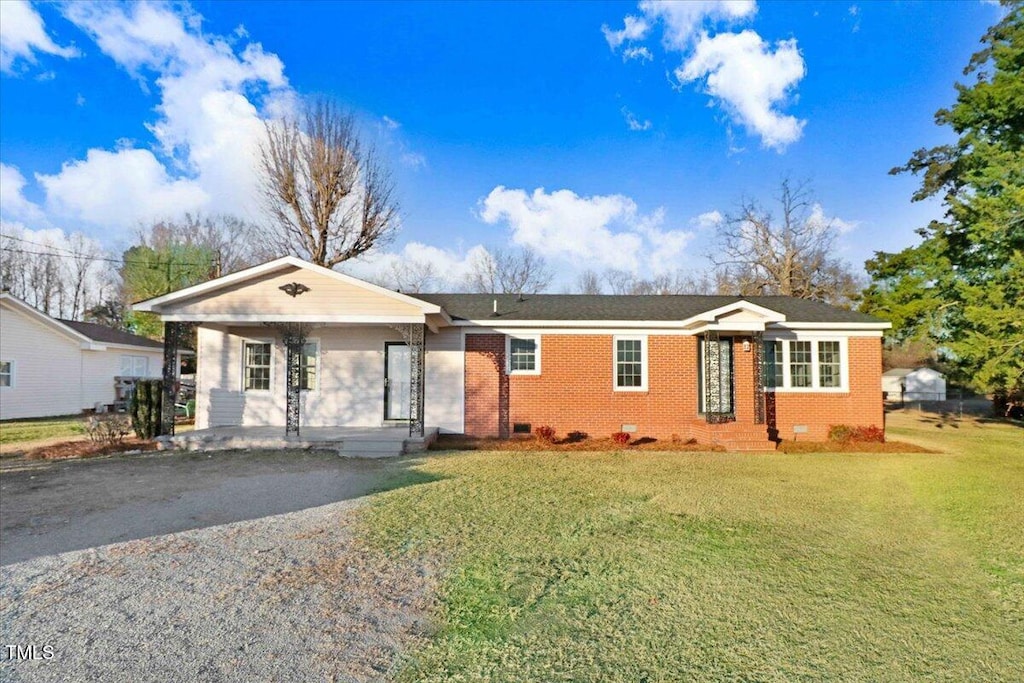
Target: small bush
<point x="545" y="433"/>
<point x="850" y="434"/>
<point x="108" y="430"/>
<point x="576" y="437"/>
<point x="621" y="438"/>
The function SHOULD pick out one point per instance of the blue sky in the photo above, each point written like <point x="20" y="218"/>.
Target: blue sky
<point x="602" y="134"/>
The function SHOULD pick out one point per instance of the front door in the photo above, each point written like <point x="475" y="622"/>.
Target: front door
<point x="397" y="382"/>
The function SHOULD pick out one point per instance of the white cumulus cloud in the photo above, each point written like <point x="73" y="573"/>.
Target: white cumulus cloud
<point x="601" y="230"/>
<point x="633" y="122"/>
<point x="634" y="28"/>
<point x="13" y="203"/>
<point x="683" y="20"/>
<point x="23" y="34"/>
<point x="751" y="79"/>
<point x="213" y="99"/>
<point x="709" y="220"/>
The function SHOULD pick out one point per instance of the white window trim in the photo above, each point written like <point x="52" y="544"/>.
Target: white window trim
<point x="13" y="374"/>
<point x="508" y="354"/>
<point x="815" y="388"/>
<point x="319" y="377"/>
<point x="273" y="353"/>
<point x="644" y="362"/>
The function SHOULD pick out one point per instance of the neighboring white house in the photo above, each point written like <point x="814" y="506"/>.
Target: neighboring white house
<point x="62" y="367"/>
<point x="914" y="384"/>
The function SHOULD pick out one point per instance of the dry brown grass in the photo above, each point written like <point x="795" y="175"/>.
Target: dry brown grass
<point x="87" y="449"/>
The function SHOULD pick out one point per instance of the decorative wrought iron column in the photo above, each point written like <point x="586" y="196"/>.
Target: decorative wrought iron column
<point x="718" y="384"/>
<point x="172" y="342"/>
<point x="414" y="335"/>
<point x="417" y="375"/>
<point x="758" y="359"/>
<point x="294" y="338"/>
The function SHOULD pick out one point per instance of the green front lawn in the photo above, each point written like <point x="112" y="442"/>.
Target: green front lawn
<point x="681" y="566"/>
<point x="17" y="431"/>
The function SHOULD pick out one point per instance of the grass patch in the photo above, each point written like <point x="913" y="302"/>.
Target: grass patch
<point x="635" y="565"/>
<point x="18" y="431"/>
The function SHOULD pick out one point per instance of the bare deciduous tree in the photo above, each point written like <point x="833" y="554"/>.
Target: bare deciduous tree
<point x="791" y="255"/>
<point x="329" y="197"/>
<point x="230" y="237"/>
<point x="676" y="282"/>
<point x="588" y="282"/>
<point x="413" y="276"/>
<point x="501" y="271"/>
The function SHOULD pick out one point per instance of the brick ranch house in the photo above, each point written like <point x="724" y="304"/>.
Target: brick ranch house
<point x="287" y="341"/>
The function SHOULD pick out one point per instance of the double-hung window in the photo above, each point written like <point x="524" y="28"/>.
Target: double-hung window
<point x="805" y="364"/>
<point x="256" y="372"/>
<point x="523" y="355"/>
<point x="630" y="363"/>
<point x="308" y="366"/>
<point x="6" y="373"/>
<point x="134" y="366"/>
<point x="800" y="364"/>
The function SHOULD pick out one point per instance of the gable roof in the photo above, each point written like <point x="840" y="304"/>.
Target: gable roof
<point x="108" y="335"/>
<point x="282" y="263"/>
<point x="652" y="307"/>
<point x="90" y="335"/>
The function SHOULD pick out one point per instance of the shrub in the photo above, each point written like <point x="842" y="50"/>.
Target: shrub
<point x="841" y="433"/>
<point x="145" y="408"/>
<point x="108" y="430"/>
<point x="869" y="434"/>
<point x="621" y="438"/>
<point x="545" y="433"/>
<point x="850" y="434"/>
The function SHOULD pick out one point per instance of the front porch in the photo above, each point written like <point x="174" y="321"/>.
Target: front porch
<point x="353" y="442"/>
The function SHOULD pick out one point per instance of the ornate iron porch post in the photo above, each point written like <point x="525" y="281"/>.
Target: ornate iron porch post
<point x="759" y="408"/>
<point x="712" y="377"/>
<point x="294" y="338"/>
<point x="172" y="341"/>
<point x="417" y="374"/>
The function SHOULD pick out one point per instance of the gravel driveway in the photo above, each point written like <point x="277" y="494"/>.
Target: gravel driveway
<point x="290" y="597"/>
<point x="49" y="507"/>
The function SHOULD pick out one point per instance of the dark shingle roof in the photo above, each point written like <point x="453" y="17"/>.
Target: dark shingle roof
<point x="627" y="307"/>
<point x="108" y="335"/>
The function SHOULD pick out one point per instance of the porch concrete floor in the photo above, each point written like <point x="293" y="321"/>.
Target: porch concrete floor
<point x="368" y="442"/>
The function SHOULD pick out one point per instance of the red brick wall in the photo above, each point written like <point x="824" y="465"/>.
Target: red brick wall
<point x="862" y="405"/>
<point x="575" y="389"/>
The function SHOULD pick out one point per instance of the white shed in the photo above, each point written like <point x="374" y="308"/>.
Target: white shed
<point x="914" y="384"/>
<point x="62" y="367"/>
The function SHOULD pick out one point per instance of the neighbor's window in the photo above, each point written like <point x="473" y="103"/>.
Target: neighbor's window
<point x="6" y="373"/>
<point x="134" y="366"/>
<point x="828" y="364"/>
<point x="630" y="371"/>
<point x="800" y="364"/>
<point x="524" y="355"/>
<point x="774" y="367"/>
<point x="257" y="366"/>
<point x="308" y="366"/>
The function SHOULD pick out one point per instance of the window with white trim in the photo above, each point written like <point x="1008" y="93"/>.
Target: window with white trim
<point x="309" y="365"/>
<point x="805" y="364"/>
<point x="829" y="367"/>
<point x="800" y="366"/>
<point x="523" y="355"/>
<point x="630" y="363"/>
<point x="256" y="365"/>
<point x="134" y="366"/>
<point x="6" y="373"/>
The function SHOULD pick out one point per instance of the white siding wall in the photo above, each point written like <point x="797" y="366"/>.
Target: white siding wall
<point x="99" y="368"/>
<point x="47" y="369"/>
<point x="351" y="379"/>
